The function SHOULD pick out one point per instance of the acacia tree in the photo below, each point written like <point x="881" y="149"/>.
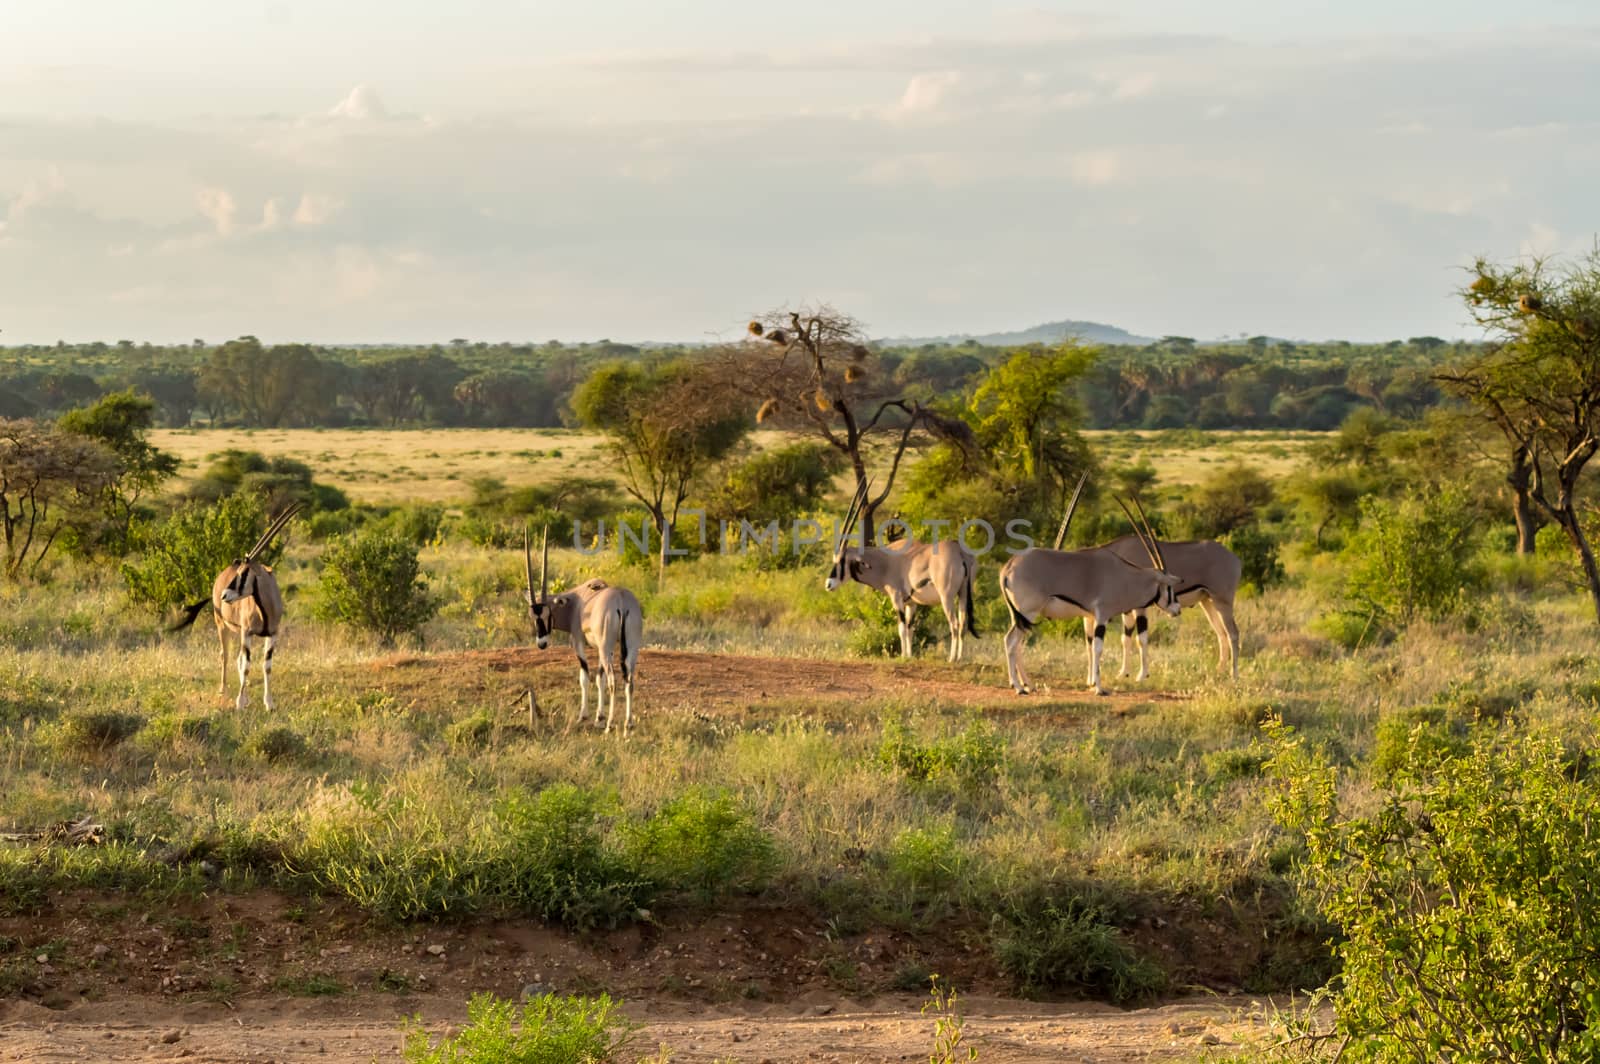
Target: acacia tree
<point x="666" y="425"/>
<point x="44" y="474"/>
<point x="1538" y="382"/>
<point x="812" y="370"/>
<point x="121" y="422"/>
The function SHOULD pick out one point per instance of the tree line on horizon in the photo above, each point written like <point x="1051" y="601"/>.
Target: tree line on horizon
<point x="1173" y="383"/>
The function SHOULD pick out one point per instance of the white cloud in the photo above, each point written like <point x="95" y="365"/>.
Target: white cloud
<point x="926" y="92"/>
<point x="904" y="163"/>
<point x="361" y="104"/>
<point x="35" y="192"/>
<point x="315" y="209"/>
<point x="217" y="205"/>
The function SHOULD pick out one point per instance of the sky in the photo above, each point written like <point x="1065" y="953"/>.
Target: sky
<point x="360" y="171"/>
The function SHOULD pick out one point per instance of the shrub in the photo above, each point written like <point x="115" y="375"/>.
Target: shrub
<point x="1465" y="899"/>
<point x="556" y="862"/>
<point x="875" y="631"/>
<point x="181" y="556"/>
<point x="704" y="842"/>
<point x="1258" y="556"/>
<point x="1410" y="560"/>
<point x="99" y="729"/>
<point x="373" y="580"/>
<point x="547" y="1030"/>
<point x="1229" y="499"/>
<point x="278" y="744"/>
<point x="974" y="757"/>
<point x="1066" y="945"/>
<point x="924" y="862"/>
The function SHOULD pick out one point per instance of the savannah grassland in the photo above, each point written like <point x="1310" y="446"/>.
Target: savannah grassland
<point x="820" y="822"/>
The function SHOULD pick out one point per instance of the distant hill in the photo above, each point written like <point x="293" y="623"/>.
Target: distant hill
<point x="1049" y="333"/>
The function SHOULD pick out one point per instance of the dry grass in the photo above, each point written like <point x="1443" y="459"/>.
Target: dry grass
<point x="1188" y="456"/>
<point x="403" y="465"/>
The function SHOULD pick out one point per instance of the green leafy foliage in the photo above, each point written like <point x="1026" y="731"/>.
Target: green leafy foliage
<point x="1066" y="944"/>
<point x="547" y="1030"/>
<point x="373" y="580"/>
<point x="1465" y="898"/>
<point x="973" y="756"/>
<point x="702" y="841"/>
<point x="1412" y="559"/>
<point x="560" y="862"/>
<point x="180" y="557"/>
<point x="1257" y="551"/>
<point x="777" y="485"/>
<point x="874" y="628"/>
<point x="121" y="422"/>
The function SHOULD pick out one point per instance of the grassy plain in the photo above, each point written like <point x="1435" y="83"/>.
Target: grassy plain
<point x="909" y="817"/>
<point x="394" y="466"/>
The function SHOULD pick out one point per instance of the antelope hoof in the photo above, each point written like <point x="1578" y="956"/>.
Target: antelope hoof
<point x="1099" y="690"/>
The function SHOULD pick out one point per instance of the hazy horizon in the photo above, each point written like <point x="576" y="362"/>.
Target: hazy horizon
<point x="404" y="172"/>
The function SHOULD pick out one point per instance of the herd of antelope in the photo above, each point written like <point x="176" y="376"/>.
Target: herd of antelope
<point x="1123" y="578"/>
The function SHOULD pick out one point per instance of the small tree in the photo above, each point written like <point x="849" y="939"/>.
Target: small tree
<point x="812" y="370"/>
<point x="121" y="423"/>
<point x="45" y="474"/>
<point x="373" y="581"/>
<point x="666" y="425"/>
<point x="1538" y="382"/>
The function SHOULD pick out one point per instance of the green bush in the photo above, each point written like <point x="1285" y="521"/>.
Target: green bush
<point x="181" y="556"/>
<point x="703" y="842"/>
<point x="875" y="631"/>
<point x="1412" y="560"/>
<point x="557" y="862"/>
<point x="925" y="862"/>
<point x="372" y="580"/>
<point x="1465" y="898"/>
<point x="98" y="729"/>
<point x="278" y="744"/>
<point x="1067" y="945"/>
<point x="973" y="757"/>
<point x="546" y="1030"/>
<point x="1258" y="556"/>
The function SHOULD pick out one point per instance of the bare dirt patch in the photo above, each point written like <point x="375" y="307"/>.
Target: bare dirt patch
<point x="266" y="977"/>
<point x="726" y="685"/>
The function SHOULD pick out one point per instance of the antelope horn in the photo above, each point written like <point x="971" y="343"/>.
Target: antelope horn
<point x="1154" y="560"/>
<point x="852" y="514"/>
<point x="272" y="530"/>
<point x="1151" y="533"/>
<point x="1061" y="536"/>
<point x="544" y="562"/>
<point x="527" y="558"/>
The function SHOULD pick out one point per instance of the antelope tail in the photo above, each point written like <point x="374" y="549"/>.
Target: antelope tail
<point x="972" y="623"/>
<point x="189" y="614"/>
<point x="1017" y="619"/>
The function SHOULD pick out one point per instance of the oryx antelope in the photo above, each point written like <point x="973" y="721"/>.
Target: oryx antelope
<point x="1095" y="584"/>
<point x="912" y="574"/>
<point x="593" y="614"/>
<point x="245" y="600"/>
<point x="1210" y="580"/>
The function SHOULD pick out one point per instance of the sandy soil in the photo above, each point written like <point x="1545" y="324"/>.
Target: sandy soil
<point x="352" y="1030"/>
